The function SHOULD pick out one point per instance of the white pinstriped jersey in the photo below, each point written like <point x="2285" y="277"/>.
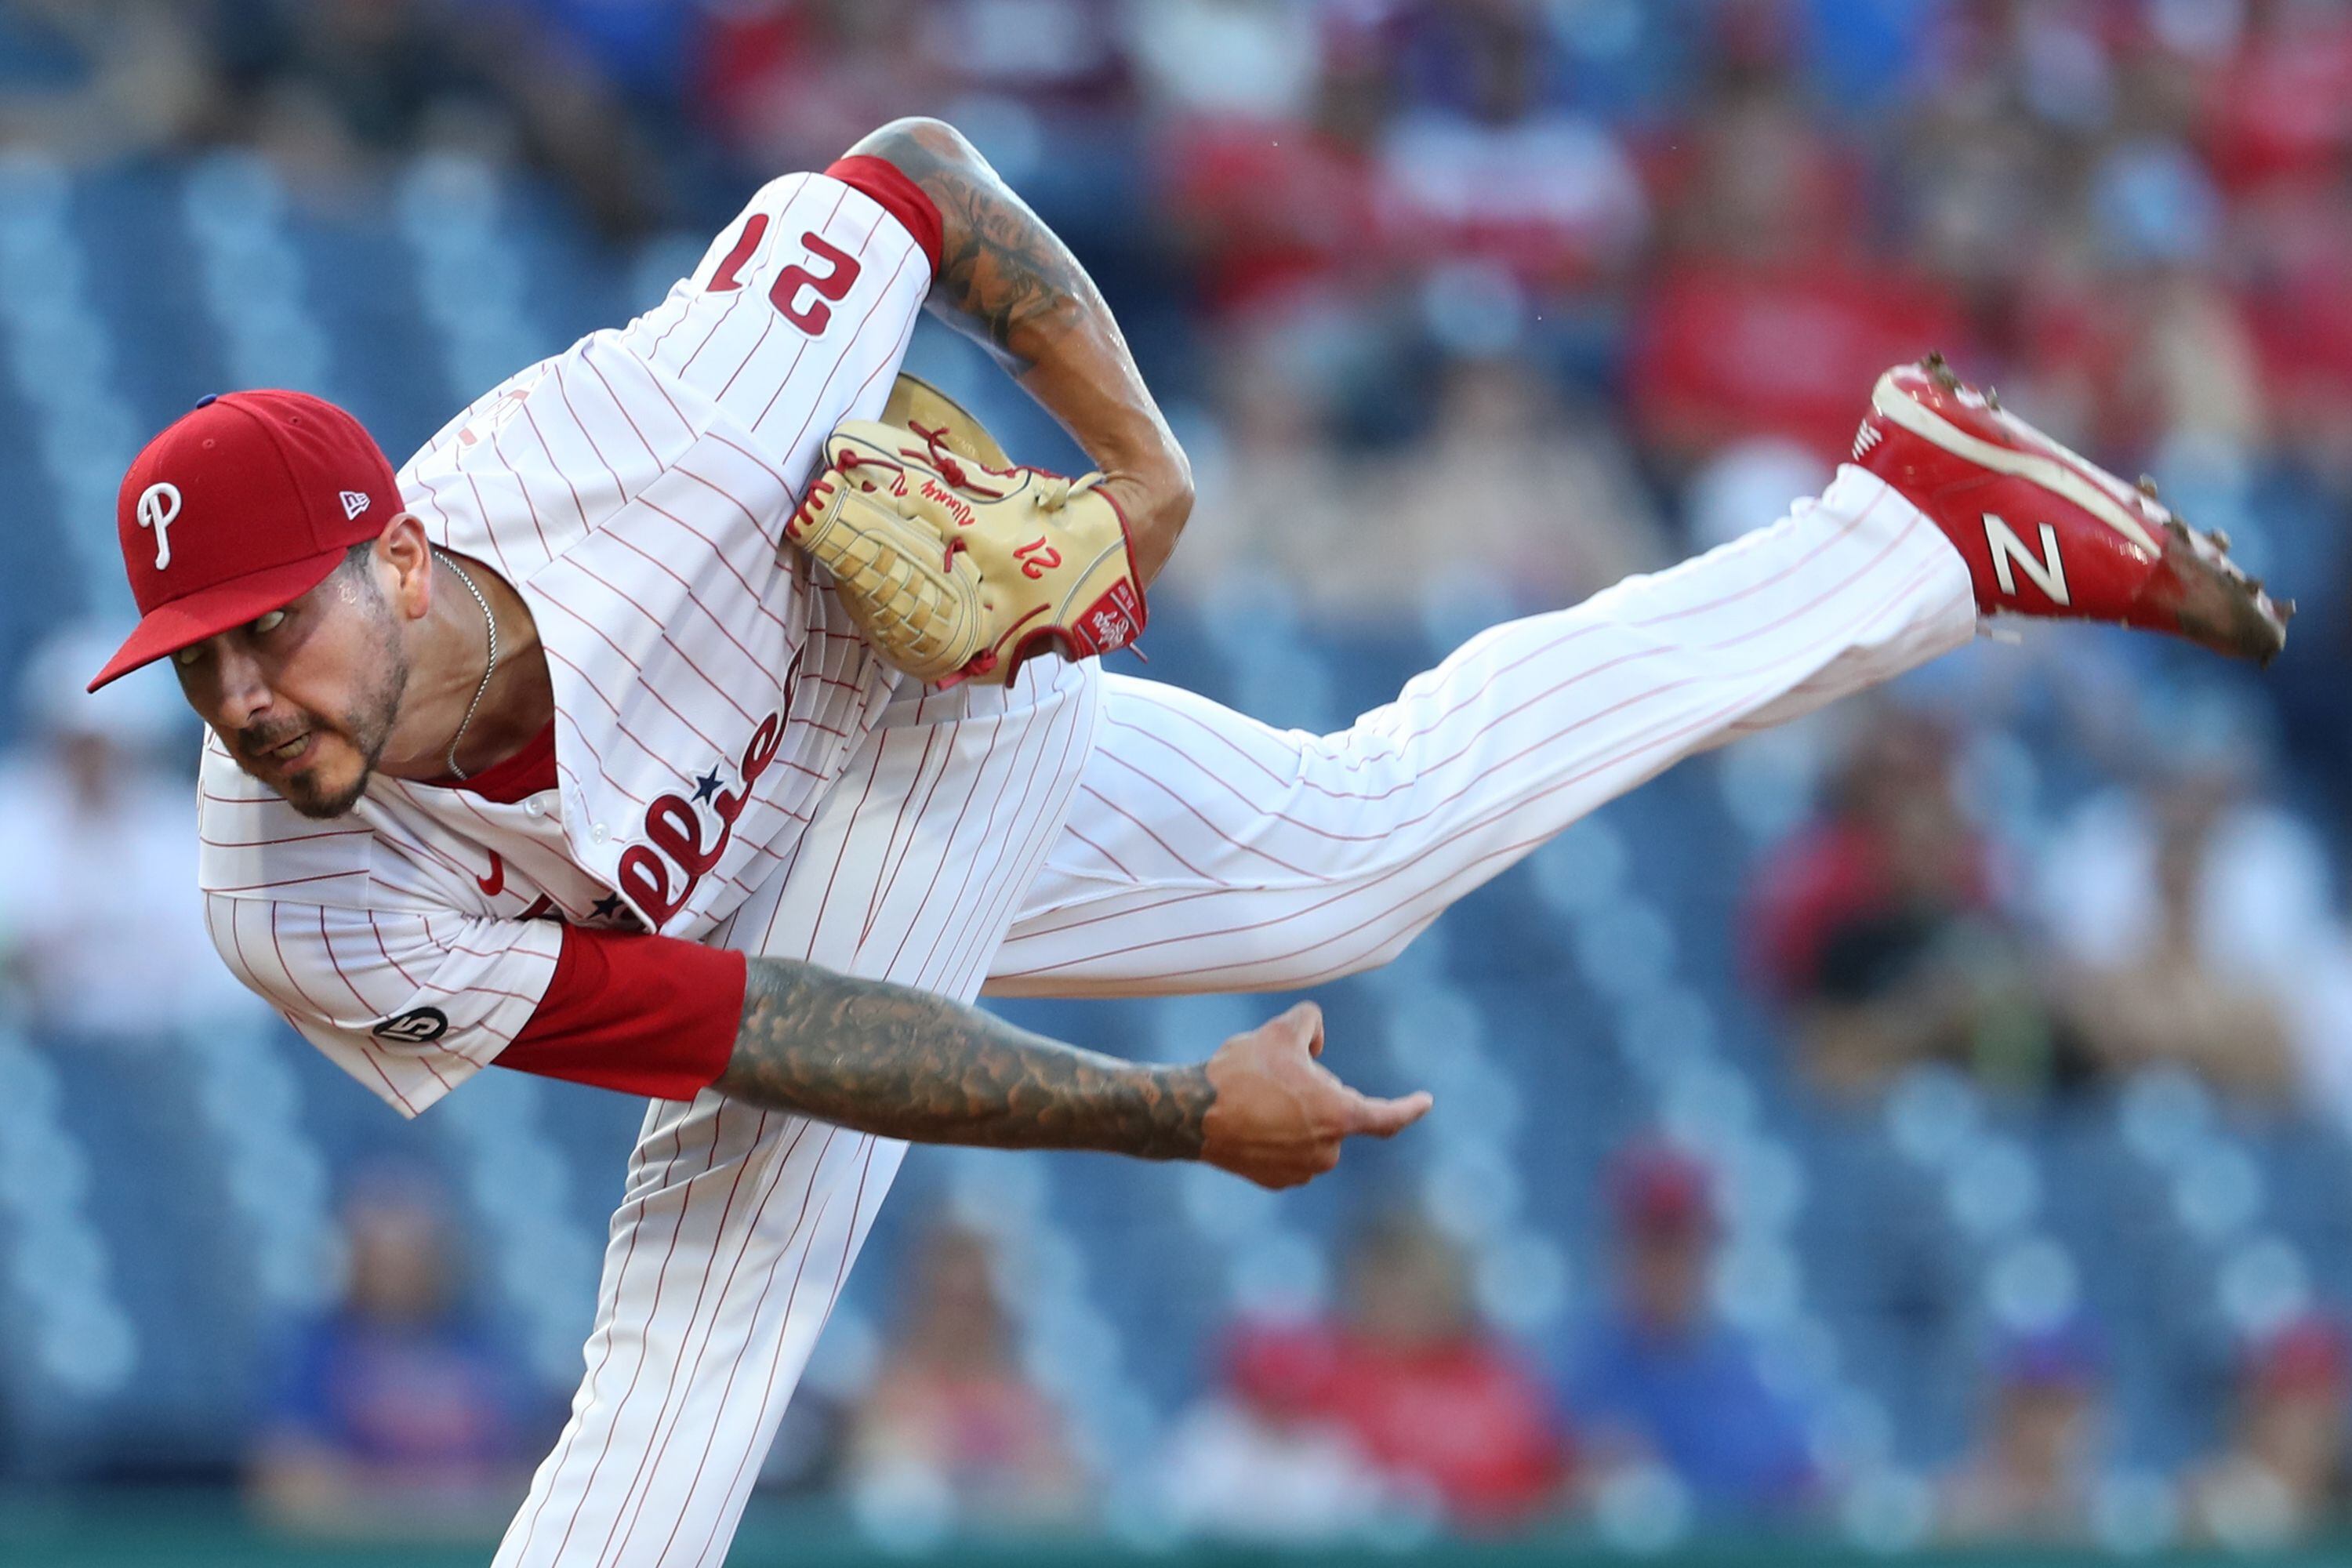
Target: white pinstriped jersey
<point x="633" y="489"/>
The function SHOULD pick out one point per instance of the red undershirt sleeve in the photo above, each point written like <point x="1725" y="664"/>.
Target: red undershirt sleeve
<point x="644" y="1014"/>
<point x="901" y="197"/>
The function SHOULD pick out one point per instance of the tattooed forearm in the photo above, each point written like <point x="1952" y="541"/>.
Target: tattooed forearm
<point x="1008" y="282"/>
<point x="887" y="1060"/>
<point x="1001" y="270"/>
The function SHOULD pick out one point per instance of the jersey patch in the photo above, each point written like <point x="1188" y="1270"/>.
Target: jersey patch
<point x="417" y="1027"/>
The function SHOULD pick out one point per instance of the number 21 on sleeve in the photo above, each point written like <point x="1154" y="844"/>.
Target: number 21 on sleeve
<point x="784" y="294"/>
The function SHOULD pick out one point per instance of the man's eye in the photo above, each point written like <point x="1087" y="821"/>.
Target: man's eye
<point x="270" y="622"/>
<point x="188" y="656"/>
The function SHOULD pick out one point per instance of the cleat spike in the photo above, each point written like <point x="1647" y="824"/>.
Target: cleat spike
<point x="1992" y="398"/>
<point x="2220" y="541"/>
<point x="2148" y="486"/>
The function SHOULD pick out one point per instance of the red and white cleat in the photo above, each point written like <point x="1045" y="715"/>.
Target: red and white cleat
<point x="2046" y="532"/>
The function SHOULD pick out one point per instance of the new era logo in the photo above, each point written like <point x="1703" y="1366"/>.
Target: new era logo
<point x="354" y="503"/>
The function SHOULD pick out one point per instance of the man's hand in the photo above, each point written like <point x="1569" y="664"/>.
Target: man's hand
<point x="1280" y="1115"/>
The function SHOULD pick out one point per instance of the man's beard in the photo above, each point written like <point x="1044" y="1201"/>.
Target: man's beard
<point x="367" y="727"/>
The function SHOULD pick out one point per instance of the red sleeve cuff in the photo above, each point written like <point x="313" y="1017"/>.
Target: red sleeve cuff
<point x="903" y="199"/>
<point x="644" y="1014"/>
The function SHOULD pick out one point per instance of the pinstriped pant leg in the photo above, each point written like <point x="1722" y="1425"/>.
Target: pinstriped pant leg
<point x="1208" y="852"/>
<point x="739" y="1225"/>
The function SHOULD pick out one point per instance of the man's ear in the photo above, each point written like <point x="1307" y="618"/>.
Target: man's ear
<point x="403" y="552"/>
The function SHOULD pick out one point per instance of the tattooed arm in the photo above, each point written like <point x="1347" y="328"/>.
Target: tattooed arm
<point x="1007" y="282"/>
<point x="901" y="1063"/>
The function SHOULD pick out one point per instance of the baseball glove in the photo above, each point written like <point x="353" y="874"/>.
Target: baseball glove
<point x="957" y="562"/>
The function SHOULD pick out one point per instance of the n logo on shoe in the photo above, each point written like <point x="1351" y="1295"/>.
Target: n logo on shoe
<point x="2009" y="551"/>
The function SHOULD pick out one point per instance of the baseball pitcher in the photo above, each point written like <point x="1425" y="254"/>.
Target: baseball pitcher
<point x="692" y="718"/>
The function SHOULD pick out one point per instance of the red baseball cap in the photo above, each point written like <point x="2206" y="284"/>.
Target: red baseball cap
<point x="1658" y="1190"/>
<point x="241" y="506"/>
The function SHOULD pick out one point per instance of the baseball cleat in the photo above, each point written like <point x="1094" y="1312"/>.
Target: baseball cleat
<point x="2047" y="532"/>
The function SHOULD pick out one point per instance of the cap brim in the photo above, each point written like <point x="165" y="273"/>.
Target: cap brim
<point x="208" y="612"/>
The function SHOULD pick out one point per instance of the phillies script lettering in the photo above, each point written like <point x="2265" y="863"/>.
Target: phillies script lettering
<point x="674" y="835"/>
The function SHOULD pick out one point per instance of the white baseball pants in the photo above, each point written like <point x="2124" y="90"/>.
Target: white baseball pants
<point x="1164" y="843"/>
<point x="738" y="1225"/>
<point x="1209" y="852"/>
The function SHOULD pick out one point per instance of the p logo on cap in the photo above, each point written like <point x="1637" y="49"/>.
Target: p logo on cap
<point x="158" y="507"/>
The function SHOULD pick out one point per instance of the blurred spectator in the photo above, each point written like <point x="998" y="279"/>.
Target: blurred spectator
<point x="1485" y="165"/>
<point x="2238" y="892"/>
<point x="2033" y="1472"/>
<point x="951" y="1427"/>
<point x="1267" y="184"/>
<point x="1450" y="1417"/>
<point x="88" y="80"/>
<point x="1065" y="58"/>
<point x="2283" y="1476"/>
<point x="365" y="75"/>
<point x="1557" y="513"/>
<point x="1658" y="1380"/>
<point x="1049" y="92"/>
<point x="2280" y="106"/>
<point x="1261" y="1458"/>
<point x="1880" y="927"/>
<point x="2133" y="341"/>
<point x="2162" y="1001"/>
<point x="325" y="88"/>
<point x="1231" y="58"/>
<point x="396" y="1415"/>
<point x="791" y="84"/>
<point x="2262" y="891"/>
<point x="103" y="781"/>
<point x="1276" y="492"/>
<point x="636" y="45"/>
<point x="1769" y="317"/>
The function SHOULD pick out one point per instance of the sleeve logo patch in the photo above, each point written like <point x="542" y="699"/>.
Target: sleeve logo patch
<point x="417" y="1027"/>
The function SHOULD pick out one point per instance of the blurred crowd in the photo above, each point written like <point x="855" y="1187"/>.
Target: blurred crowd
<point x="1632" y="266"/>
<point x="1398" y="1412"/>
<point x="1503" y="300"/>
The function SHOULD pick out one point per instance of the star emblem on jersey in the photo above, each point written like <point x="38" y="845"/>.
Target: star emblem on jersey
<point x="606" y="907"/>
<point x="682" y="845"/>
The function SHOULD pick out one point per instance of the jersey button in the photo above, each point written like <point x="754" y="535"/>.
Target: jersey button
<point x="600" y="832"/>
<point x="532" y="808"/>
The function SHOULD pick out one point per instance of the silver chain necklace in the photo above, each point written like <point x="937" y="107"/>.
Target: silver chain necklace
<point x="490" y="624"/>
